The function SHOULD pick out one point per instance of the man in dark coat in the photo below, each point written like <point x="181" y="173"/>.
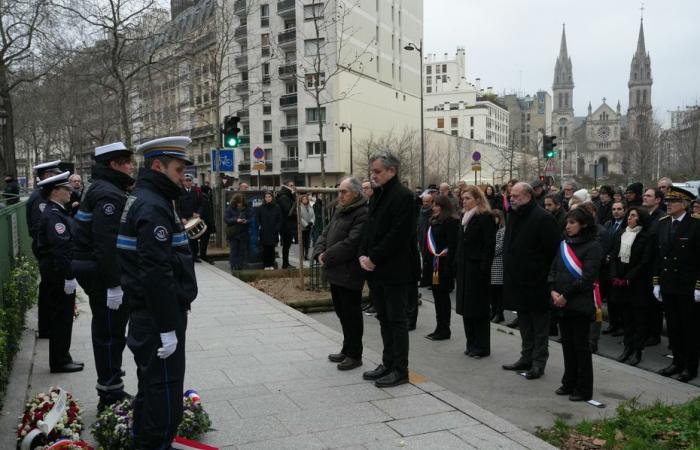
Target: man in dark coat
<point x="389" y="256"/>
<point x="208" y="218"/>
<point x="540" y="193"/>
<point x="530" y="243"/>
<point x="615" y="227"/>
<point x="286" y="200"/>
<point x="633" y="194"/>
<point x="654" y="201"/>
<point x="11" y="191"/>
<point x="604" y="204"/>
<point x="190" y="206"/>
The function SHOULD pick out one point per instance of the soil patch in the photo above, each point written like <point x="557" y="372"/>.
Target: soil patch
<point x="287" y="290"/>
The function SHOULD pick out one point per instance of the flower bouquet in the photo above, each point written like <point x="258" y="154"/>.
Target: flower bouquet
<point x="66" y="444"/>
<point x="67" y="426"/>
<point x="195" y="421"/>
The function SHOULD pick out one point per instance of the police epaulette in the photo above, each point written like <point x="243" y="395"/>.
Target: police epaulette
<point x="697" y="284"/>
<point x="656" y="281"/>
<point x="664" y="217"/>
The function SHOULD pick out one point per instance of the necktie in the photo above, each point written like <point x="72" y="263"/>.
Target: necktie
<point x="617" y="227"/>
<point x="674" y="228"/>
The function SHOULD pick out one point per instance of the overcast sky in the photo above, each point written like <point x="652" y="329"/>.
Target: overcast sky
<point x="512" y="45"/>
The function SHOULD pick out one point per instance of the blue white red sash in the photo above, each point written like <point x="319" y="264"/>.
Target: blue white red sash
<point x="575" y="267"/>
<point x="432" y="248"/>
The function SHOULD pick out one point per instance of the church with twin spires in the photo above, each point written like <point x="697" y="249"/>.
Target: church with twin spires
<point x="597" y="139"/>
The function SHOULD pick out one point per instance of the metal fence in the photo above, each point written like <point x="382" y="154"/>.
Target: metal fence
<point x="14" y="240"/>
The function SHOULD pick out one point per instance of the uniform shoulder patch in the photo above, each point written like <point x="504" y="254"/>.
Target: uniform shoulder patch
<point x="60" y="228"/>
<point x="42" y="206"/>
<point x="108" y="209"/>
<point x="160" y="233"/>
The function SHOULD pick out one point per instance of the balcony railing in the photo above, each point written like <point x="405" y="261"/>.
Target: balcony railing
<point x="239" y="7"/>
<point x="241" y="61"/>
<point x="289" y="133"/>
<point x="287" y="37"/>
<point x="202" y="131"/>
<point x="288" y="70"/>
<point x="286" y="7"/>
<point x="244" y="167"/>
<point x="242" y="87"/>
<point x="288" y="101"/>
<point x="289" y="165"/>
<point x="241" y="33"/>
<point x="243" y="113"/>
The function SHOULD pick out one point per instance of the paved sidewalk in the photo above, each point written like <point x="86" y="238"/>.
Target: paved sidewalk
<point x="262" y="372"/>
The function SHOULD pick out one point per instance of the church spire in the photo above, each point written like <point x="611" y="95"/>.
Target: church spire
<point x="563" y="53"/>
<point x="563" y="73"/>
<point x="641" y="47"/>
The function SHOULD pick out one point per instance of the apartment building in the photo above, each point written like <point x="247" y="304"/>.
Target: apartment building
<point x="367" y="81"/>
<point x="530" y="118"/>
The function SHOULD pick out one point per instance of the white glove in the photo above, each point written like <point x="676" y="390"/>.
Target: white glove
<point x="114" y="297"/>
<point x="657" y="292"/>
<point x="69" y="286"/>
<point x="169" y="341"/>
<point x="697" y="295"/>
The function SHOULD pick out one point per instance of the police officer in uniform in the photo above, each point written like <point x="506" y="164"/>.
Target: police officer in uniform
<point x="159" y="281"/>
<point x="97" y="268"/>
<point x="35" y="207"/>
<point x="677" y="282"/>
<point x="55" y="250"/>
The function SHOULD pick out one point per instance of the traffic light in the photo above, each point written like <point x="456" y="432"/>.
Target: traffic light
<point x="548" y="145"/>
<point x="230" y="131"/>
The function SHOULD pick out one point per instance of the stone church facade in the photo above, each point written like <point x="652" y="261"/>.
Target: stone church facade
<point x="594" y="144"/>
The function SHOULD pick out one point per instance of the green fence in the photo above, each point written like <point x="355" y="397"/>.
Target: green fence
<point x="14" y="240"/>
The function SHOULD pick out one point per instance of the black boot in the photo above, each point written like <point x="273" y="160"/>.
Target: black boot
<point x="626" y="353"/>
<point x="635" y="359"/>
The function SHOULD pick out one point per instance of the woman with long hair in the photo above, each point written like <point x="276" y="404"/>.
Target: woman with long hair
<point x="572" y="281"/>
<point x="307" y="217"/>
<point x="237" y="217"/>
<point x="269" y="222"/>
<point x="438" y="258"/>
<point x="631" y="271"/>
<point x="477" y="240"/>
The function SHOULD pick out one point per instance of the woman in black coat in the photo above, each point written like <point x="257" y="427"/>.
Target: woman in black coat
<point x="441" y="244"/>
<point x="631" y="273"/>
<point x="476" y="243"/>
<point x="269" y="219"/>
<point x="237" y="216"/>
<point x="571" y="283"/>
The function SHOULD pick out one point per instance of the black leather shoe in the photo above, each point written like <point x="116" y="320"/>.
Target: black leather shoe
<point x="564" y="391"/>
<point x="534" y="373"/>
<point x="518" y="365"/>
<point x="377" y="373"/>
<point x="513" y="324"/>
<point x="578" y="398"/>
<point x="685" y="376"/>
<point x="670" y="370"/>
<point x="430" y="336"/>
<point x="635" y="359"/>
<point x="440" y="337"/>
<point x="67" y="368"/>
<point x="479" y="355"/>
<point x="349" y="363"/>
<point x="391" y="380"/>
<point x="336" y="357"/>
<point x="626" y="353"/>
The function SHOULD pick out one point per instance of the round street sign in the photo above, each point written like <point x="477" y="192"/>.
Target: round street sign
<point x="258" y="153"/>
<point x="476" y="156"/>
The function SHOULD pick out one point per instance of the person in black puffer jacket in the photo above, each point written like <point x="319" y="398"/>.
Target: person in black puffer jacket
<point x="572" y="294"/>
<point x="269" y="225"/>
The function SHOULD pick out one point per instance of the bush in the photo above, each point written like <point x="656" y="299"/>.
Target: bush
<point x="19" y="294"/>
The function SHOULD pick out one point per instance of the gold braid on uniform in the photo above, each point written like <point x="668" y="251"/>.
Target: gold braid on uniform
<point x="656" y="281"/>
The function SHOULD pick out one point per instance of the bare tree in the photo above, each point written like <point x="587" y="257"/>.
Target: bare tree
<point x="687" y="142"/>
<point x="642" y="146"/>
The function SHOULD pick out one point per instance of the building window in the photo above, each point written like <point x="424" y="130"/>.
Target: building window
<point x="312" y="79"/>
<point x="267" y="126"/>
<point x="471" y="121"/>
<point x="428" y="81"/>
<point x="454" y="122"/>
<point x="310" y="47"/>
<point x="566" y="99"/>
<point x="471" y="134"/>
<point x="437" y="68"/>
<point x="267" y="109"/>
<point x="292" y="120"/>
<point x="290" y="88"/>
<point x="292" y="152"/>
<point x="428" y="70"/>
<point x="314" y="149"/>
<point x="265" y="39"/>
<point x="264" y="15"/>
<point x="441" y="122"/>
<point x="454" y="133"/>
<point x="312" y="115"/>
<point x="444" y="68"/>
<point x="429" y="89"/>
<point x="444" y="78"/>
<point x="644" y="97"/>
<point x="312" y="12"/>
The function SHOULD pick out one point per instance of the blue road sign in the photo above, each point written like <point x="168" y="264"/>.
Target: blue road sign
<point x="225" y="159"/>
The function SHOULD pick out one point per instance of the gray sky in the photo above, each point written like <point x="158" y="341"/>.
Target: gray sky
<point x="513" y="45"/>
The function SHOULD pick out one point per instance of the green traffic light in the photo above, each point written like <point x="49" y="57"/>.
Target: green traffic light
<point x="232" y="141"/>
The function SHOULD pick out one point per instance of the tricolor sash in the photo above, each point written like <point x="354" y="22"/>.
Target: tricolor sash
<point x="432" y="248"/>
<point x="575" y="267"/>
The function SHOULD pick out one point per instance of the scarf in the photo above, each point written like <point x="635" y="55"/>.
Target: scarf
<point x="626" y="242"/>
<point x="467" y="217"/>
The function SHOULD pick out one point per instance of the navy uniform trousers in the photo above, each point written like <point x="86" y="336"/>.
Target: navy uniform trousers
<point x="59" y="314"/>
<point x="158" y="404"/>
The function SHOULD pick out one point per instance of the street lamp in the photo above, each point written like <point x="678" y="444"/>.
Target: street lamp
<point x="410" y="47"/>
<point x="343" y="127"/>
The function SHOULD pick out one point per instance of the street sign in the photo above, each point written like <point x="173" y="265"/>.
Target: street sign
<point x="476" y="156"/>
<point x="259" y="165"/>
<point x="258" y="153"/>
<point x="225" y="159"/>
<point x="476" y="166"/>
<point x="549" y="168"/>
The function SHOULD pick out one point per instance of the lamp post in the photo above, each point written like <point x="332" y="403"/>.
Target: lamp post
<point x="343" y="127"/>
<point x="410" y="47"/>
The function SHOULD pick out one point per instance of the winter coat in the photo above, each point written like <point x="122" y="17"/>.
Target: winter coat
<point x="577" y="292"/>
<point x="424" y="215"/>
<point x="269" y="220"/>
<point x="475" y="250"/>
<point x="189" y="203"/>
<point x="208" y="212"/>
<point x="234" y="229"/>
<point x="287" y="201"/>
<point x="638" y="271"/>
<point x="497" y="264"/>
<point x="340" y="243"/>
<point x="306" y="215"/>
<point x="446" y="236"/>
<point x="531" y="240"/>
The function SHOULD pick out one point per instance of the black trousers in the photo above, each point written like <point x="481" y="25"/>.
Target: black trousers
<point x="204" y="244"/>
<point x="478" y="332"/>
<point x="306" y="240"/>
<point x="108" y="329"/>
<point x="615" y="311"/>
<point x="268" y="252"/>
<point x="637" y="315"/>
<point x="194" y="247"/>
<point x="158" y="403"/>
<point x="412" y="305"/>
<point x="44" y="307"/>
<point x="348" y="308"/>
<point x="656" y="318"/>
<point x="60" y="317"/>
<point x="286" y="244"/>
<point x="390" y="303"/>
<point x="578" y="362"/>
<point x="682" y="318"/>
<point x="496" y="299"/>
<point x="443" y="310"/>
<point x="534" y="332"/>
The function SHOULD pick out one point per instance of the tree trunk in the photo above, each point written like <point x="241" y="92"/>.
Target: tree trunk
<point x="8" y="161"/>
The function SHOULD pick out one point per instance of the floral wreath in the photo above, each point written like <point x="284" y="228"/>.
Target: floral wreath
<point x="67" y="428"/>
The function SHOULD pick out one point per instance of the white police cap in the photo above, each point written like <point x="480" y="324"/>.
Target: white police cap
<point x="46" y="166"/>
<point x="55" y="181"/>
<point x="111" y="150"/>
<point x="174" y="146"/>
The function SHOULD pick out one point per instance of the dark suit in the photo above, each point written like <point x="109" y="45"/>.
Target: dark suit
<point x="390" y="243"/>
<point x="677" y="270"/>
<point x="189" y="203"/>
<point x="615" y="320"/>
